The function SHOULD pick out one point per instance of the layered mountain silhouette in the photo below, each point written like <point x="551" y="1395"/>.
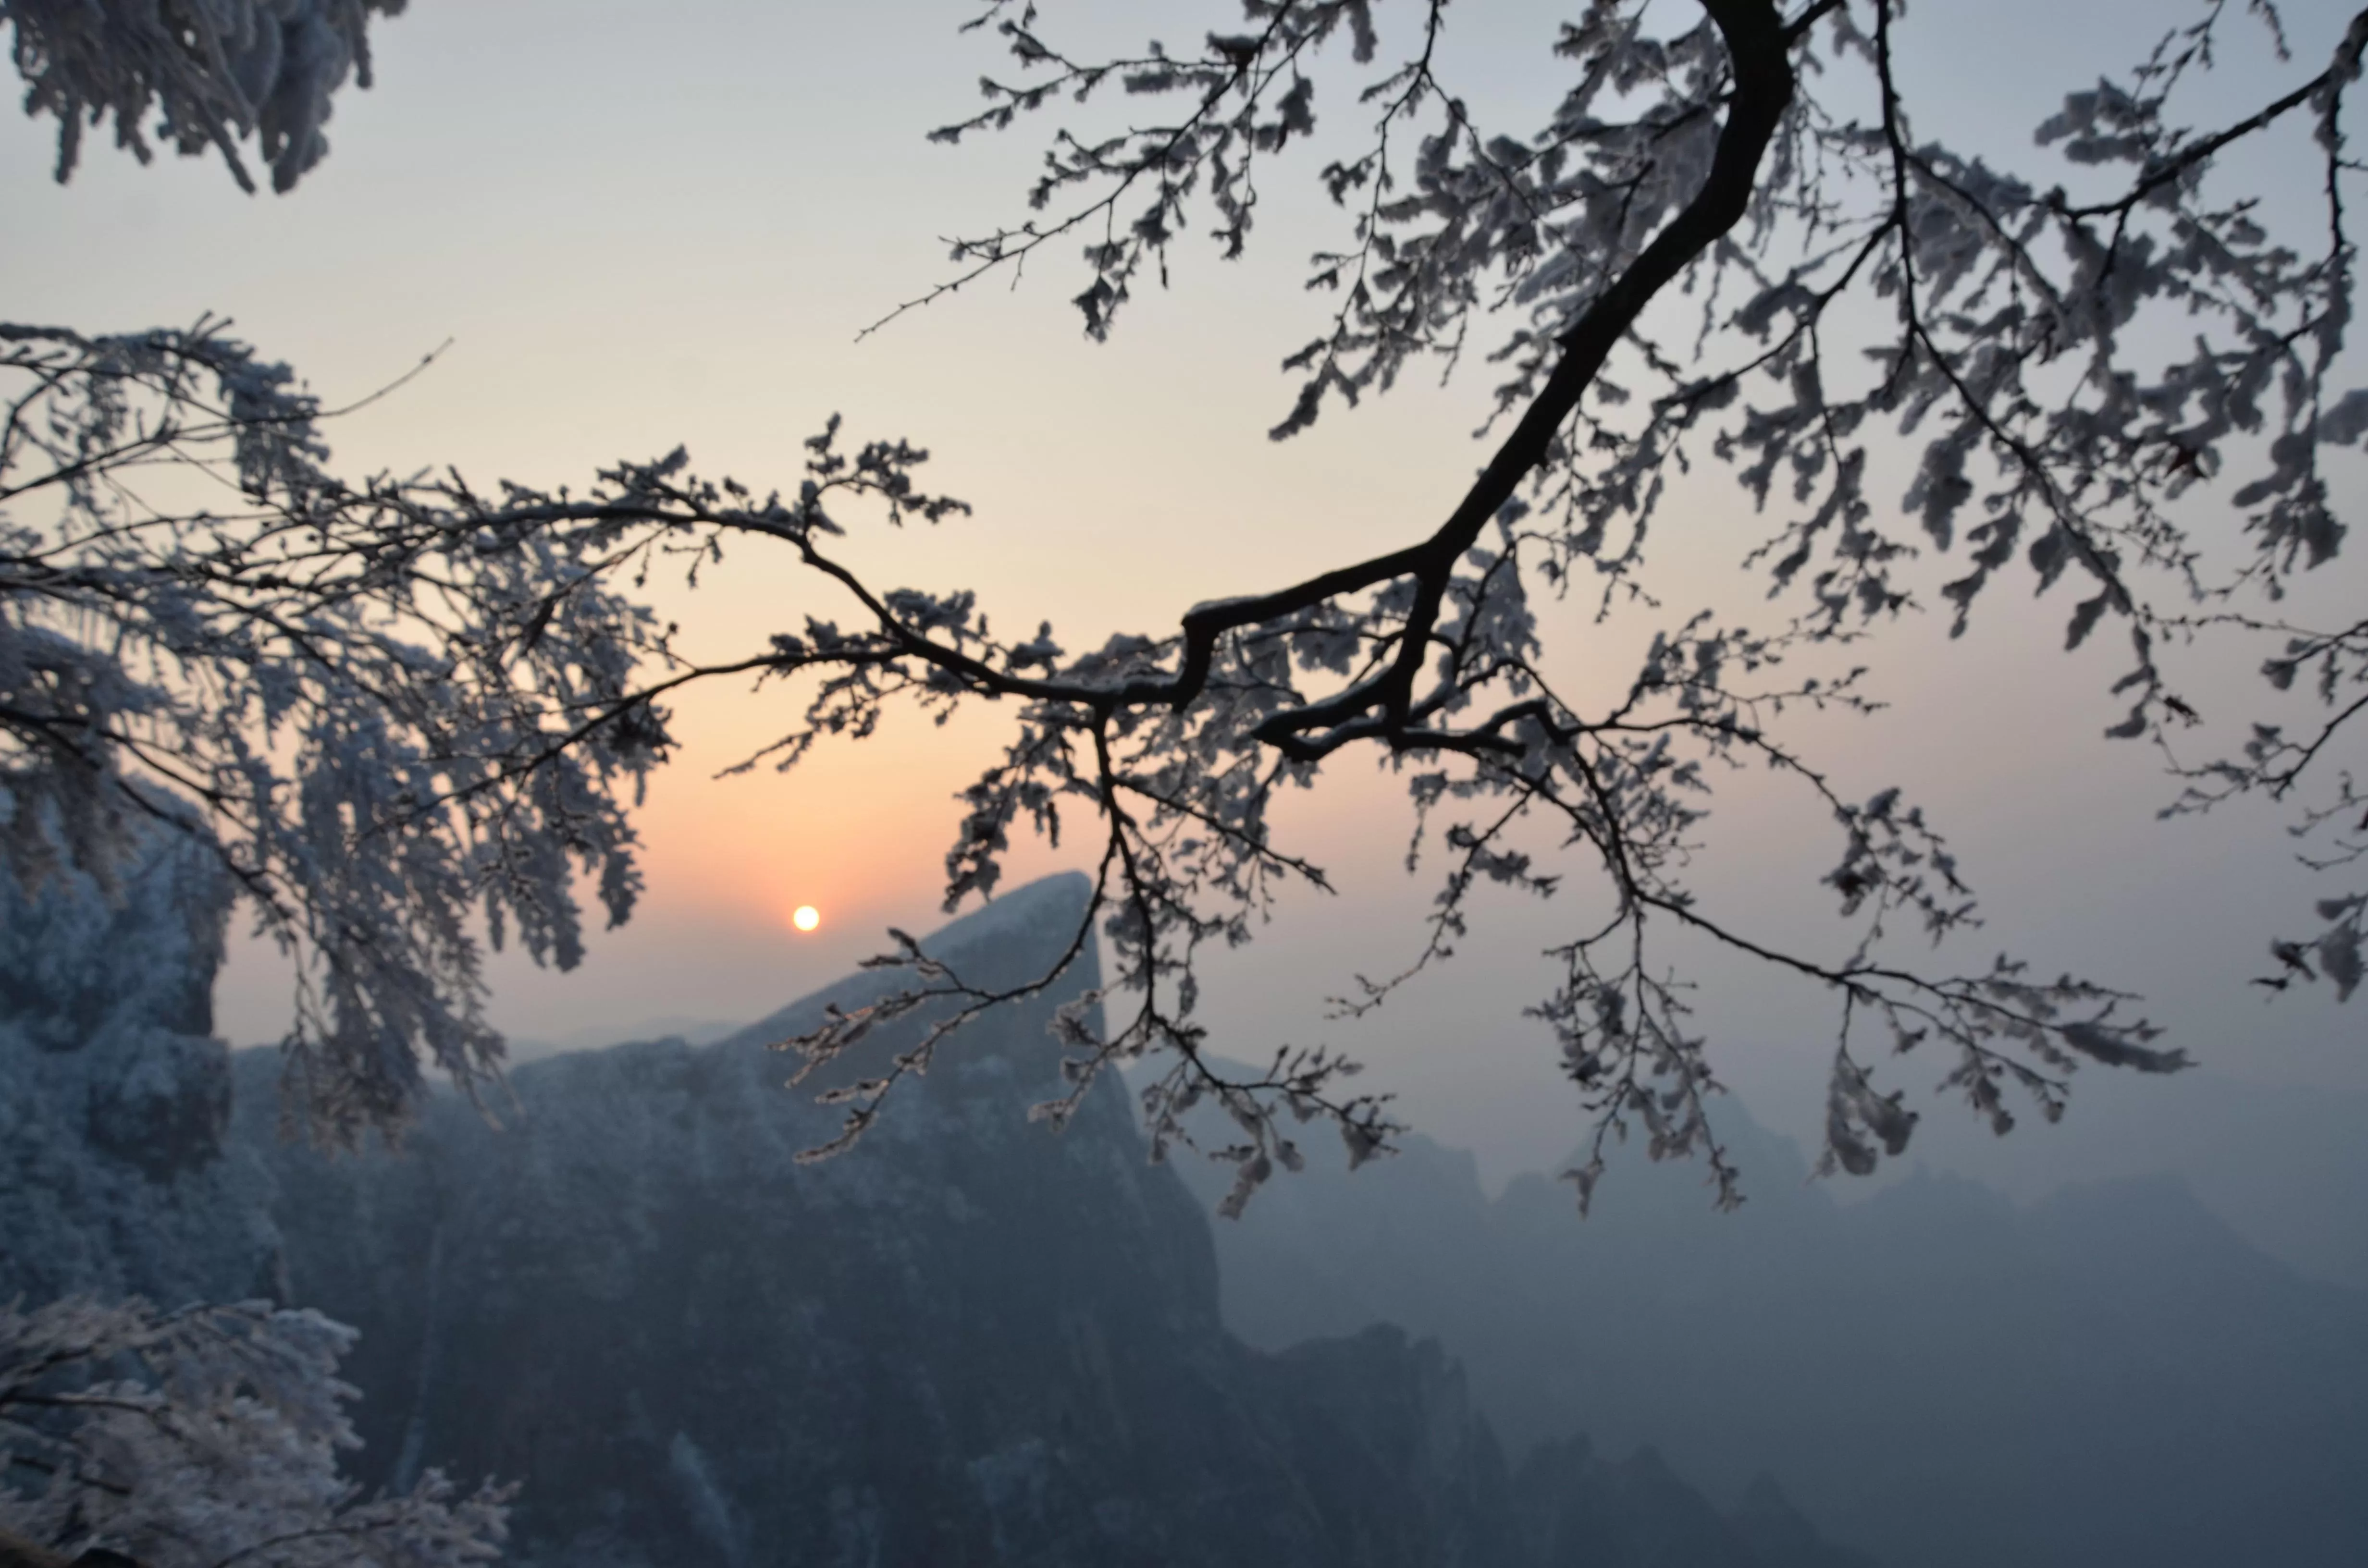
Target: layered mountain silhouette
<point x="2107" y="1376"/>
<point x="2286" y="1166"/>
<point x="969" y="1341"/>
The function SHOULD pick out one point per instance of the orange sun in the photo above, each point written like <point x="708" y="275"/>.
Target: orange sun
<point x="806" y="918"/>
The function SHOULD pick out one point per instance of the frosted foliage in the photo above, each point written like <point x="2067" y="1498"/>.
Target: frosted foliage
<point x="216" y="73"/>
<point x="2106" y="371"/>
<point x="379" y="716"/>
<point x="2094" y="368"/>
<point x="204" y="1436"/>
<point x="134" y="939"/>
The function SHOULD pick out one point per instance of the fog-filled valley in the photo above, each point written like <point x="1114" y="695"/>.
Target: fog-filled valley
<point x="2109" y="1373"/>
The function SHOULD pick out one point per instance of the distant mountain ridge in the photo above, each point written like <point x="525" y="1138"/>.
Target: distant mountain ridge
<point x="599" y="1036"/>
<point x="2286" y="1168"/>
<point x="696" y="1351"/>
<point x="2109" y="1375"/>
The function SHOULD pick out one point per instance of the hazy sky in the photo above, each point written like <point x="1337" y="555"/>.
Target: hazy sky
<point x="642" y="224"/>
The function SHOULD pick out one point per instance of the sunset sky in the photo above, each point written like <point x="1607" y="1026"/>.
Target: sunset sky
<point x="642" y="224"/>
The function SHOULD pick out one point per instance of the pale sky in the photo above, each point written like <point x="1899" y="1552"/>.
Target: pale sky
<point x="642" y="224"/>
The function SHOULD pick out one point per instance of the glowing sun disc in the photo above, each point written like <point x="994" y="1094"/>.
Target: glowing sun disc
<point x="806" y="918"/>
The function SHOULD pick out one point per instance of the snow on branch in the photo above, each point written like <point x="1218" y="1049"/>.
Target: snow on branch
<point x="405" y="705"/>
<point x="214" y="73"/>
<point x="202" y="1438"/>
<point x="1675" y="247"/>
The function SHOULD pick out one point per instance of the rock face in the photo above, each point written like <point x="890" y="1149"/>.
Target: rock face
<point x="969" y="1341"/>
<point x="113" y="1095"/>
<point x="2107" y="1376"/>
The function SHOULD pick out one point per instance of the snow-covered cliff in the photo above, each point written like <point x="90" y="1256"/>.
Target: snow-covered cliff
<point x="114" y="1097"/>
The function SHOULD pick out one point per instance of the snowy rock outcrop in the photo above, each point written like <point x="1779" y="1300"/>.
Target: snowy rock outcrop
<point x="114" y="1098"/>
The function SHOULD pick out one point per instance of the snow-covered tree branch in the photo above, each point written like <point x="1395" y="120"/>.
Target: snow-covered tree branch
<point x="402" y="703"/>
<point x="202" y="1439"/>
<point x="214" y="72"/>
<point x="381" y="715"/>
